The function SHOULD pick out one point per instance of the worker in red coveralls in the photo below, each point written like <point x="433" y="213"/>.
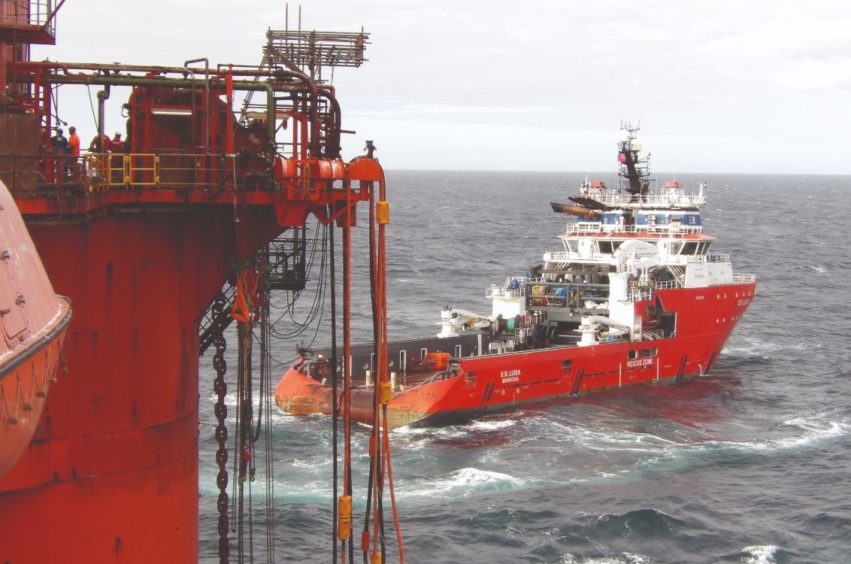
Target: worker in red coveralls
<point x="73" y="151"/>
<point x="116" y="144"/>
<point x="93" y="146"/>
<point x="73" y="142"/>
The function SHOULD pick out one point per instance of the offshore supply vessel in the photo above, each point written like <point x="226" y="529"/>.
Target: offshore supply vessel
<point x="634" y="296"/>
<point x="161" y="240"/>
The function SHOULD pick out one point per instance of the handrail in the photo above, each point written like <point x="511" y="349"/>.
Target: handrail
<point x="712" y="257"/>
<point x="34" y="13"/>
<point x="96" y="172"/>
<point x="744" y="278"/>
<point x="670" y="230"/>
<point x="617" y="199"/>
<point x="668" y="284"/>
<point x="495" y="291"/>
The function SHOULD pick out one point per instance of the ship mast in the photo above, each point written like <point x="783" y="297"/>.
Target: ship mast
<point x="634" y="170"/>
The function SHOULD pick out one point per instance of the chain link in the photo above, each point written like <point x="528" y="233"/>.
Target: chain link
<point x="221" y="412"/>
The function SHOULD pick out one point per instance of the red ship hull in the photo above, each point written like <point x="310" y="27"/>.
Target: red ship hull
<point x="497" y="382"/>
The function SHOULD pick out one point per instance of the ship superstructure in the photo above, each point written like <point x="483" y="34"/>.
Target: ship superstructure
<point x="628" y="243"/>
<point x="634" y="295"/>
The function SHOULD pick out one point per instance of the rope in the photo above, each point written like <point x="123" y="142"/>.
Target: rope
<point x="379" y="447"/>
<point x="267" y="395"/>
<point x="92" y="106"/>
<point x="334" y="376"/>
<point x="317" y="305"/>
<point x="236" y="492"/>
<point x="389" y="466"/>
<point x="381" y="320"/>
<point x="247" y="431"/>
<point x="347" y="354"/>
<point x="374" y="488"/>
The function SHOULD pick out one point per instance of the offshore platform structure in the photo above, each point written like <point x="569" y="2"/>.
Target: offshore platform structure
<point x="196" y="216"/>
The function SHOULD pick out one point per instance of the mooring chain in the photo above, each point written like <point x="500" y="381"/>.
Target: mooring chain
<point x="221" y="411"/>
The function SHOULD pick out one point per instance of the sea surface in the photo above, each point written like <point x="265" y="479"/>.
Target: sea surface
<point x="750" y="463"/>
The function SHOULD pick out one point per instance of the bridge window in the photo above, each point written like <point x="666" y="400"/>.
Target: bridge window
<point x="608" y="247"/>
<point x="689" y="248"/>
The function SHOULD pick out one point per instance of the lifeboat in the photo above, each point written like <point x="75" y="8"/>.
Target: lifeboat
<point x="574" y="209"/>
<point x="33" y="322"/>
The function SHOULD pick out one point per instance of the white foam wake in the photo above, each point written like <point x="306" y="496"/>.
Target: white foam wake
<point x="463" y="483"/>
<point x="625" y="558"/>
<point x="762" y="554"/>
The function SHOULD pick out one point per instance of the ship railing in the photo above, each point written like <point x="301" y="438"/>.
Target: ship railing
<point x="497" y="292"/>
<point x="35" y="13"/>
<point x="744" y="278"/>
<point x="95" y="172"/>
<point x="667" y="199"/>
<point x="641" y="295"/>
<point x="514" y="287"/>
<point x="668" y="284"/>
<point x="25" y="173"/>
<point x="549" y="282"/>
<point x="670" y="230"/>
<point x="713" y="257"/>
<point x="560" y="256"/>
<point x="652" y="334"/>
<point x="177" y="171"/>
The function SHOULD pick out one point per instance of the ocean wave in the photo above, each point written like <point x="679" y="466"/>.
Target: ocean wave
<point x="817" y="268"/>
<point x="639" y="523"/>
<point x="447" y="432"/>
<point x="758" y="554"/>
<point x="627" y="453"/>
<point x="461" y="483"/>
<point x="623" y="558"/>
<point x="418" y="431"/>
<point x="492" y="425"/>
<point x="601" y="438"/>
<point x="815" y="428"/>
<point x="317" y="487"/>
<point x="751" y="345"/>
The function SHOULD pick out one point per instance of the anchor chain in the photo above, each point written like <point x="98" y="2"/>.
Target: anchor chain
<point x="221" y="412"/>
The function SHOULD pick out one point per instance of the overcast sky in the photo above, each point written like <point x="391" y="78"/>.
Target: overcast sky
<point x="718" y="86"/>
